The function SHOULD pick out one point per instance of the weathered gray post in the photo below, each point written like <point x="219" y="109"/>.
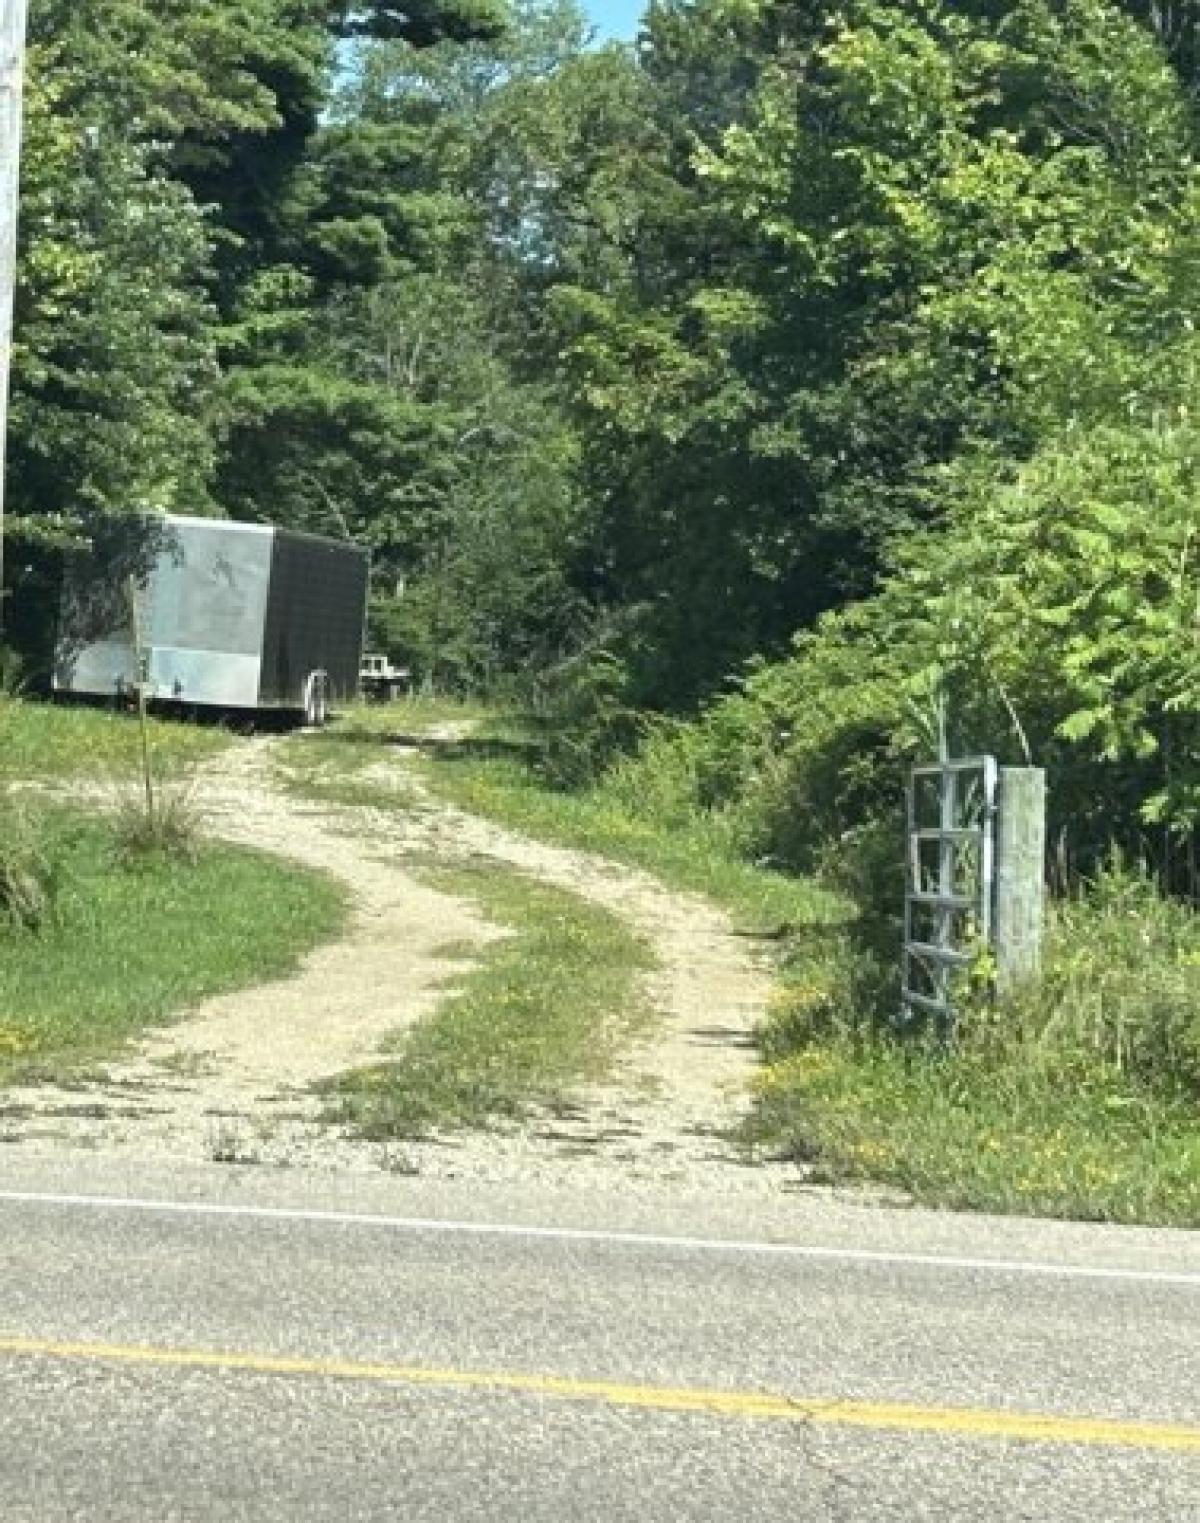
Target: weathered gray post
<point x="1020" y="874"/>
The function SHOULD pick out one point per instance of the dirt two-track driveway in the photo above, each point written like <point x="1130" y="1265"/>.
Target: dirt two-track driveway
<point x="235" y="1079"/>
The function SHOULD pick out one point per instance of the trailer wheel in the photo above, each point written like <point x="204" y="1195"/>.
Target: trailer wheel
<point x="316" y="701"/>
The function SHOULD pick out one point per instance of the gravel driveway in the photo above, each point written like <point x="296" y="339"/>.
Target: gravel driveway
<point x="233" y="1081"/>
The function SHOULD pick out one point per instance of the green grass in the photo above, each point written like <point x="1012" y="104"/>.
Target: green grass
<point x="128" y="947"/>
<point x="551" y="1006"/>
<point x="956" y="1131"/>
<point x="329" y="767"/>
<point x="696" y="858"/>
<point x="331" y="771"/>
<point x="408" y="717"/>
<point x="51" y="742"/>
<point x="1079" y="1096"/>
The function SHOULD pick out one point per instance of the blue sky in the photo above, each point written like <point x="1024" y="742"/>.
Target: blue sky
<point x="616" y="18"/>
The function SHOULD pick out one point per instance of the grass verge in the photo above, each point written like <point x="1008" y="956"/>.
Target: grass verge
<point x="954" y="1131"/>
<point x="551" y="1006"/>
<point x="50" y="742"/>
<point x="130" y="944"/>
<point x="1078" y="1096"/>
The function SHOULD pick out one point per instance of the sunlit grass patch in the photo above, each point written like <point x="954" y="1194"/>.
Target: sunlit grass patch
<point x="1077" y="1096"/>
<point x="697" y="856"/>
<point x="132" y="943"/>
<point x="956" y="1132"/>
<point x="51" y="742"/>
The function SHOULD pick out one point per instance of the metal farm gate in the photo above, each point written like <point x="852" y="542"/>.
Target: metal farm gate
<point x="951" y="872"/>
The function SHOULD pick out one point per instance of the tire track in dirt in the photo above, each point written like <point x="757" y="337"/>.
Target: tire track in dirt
<point x="234" y="1079"/>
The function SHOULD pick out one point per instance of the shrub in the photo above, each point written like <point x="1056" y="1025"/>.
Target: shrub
<point x="169" y="829"/>
<point x="1119" y="995"/>
<point x="29" y="879"/>
<point x="1053" y="616"/>
<point x="585" y="711"/>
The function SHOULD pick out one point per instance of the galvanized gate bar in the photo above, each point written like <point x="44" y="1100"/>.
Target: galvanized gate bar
<point x="965" y="841"/>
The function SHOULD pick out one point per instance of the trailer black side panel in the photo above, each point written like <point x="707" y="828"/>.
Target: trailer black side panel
<point x="316" y="610"/>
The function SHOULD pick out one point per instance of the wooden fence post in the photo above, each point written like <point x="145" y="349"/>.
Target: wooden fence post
<point x="1020" y="875"/>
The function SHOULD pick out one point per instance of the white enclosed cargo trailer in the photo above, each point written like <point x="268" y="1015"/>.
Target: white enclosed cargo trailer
<point x="232" y="616"/>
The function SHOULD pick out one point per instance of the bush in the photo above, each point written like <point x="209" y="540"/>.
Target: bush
<point x="1119" y="996"/>
<point x="587" y="718"/>
<point x="28" y="873"/>
<point x="171" y="829"/>
<point x="1054" y="616"/>
<point x="12" y="672"/>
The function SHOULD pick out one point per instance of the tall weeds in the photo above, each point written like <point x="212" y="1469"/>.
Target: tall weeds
<point x="28" y="873"/>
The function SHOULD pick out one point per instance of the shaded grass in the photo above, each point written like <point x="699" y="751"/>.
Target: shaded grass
<point x="550" y="1006"/>
<point x="129" y="946"/>
<point x="42" y="741"/>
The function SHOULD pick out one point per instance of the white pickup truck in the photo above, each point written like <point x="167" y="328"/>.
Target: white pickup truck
<point x="380" y="681"/>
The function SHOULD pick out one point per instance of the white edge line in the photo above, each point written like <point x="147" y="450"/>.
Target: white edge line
<point x="432" y="1226"/>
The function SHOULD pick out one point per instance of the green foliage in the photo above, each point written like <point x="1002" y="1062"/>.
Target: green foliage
<point x="587" y="718"/>
<point x="187" y="214"/>
<point x="871" y="245"/>
<point x="1054" y="615"/>
<point x="1119" y="1000"/>
<point x="380" y="389"/>
<point x="114" y="352"/>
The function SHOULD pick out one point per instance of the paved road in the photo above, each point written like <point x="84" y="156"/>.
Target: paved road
<point x="247" y="1345"/>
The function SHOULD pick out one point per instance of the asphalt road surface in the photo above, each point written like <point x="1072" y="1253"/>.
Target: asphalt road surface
<point x="236" y="1344"/>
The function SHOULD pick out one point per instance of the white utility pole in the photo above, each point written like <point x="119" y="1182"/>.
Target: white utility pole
<point x="13" y="15"/>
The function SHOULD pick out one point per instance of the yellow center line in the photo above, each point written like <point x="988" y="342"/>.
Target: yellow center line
<point x="886" y="1416"/>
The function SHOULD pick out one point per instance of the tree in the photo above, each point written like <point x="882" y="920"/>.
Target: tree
<point x="893" y="237"/>
<point x="169" y="144"/>
<point x="374" y="389"/>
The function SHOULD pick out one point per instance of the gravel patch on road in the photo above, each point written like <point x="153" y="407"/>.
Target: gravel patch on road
<point x="234" y="1080"/>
